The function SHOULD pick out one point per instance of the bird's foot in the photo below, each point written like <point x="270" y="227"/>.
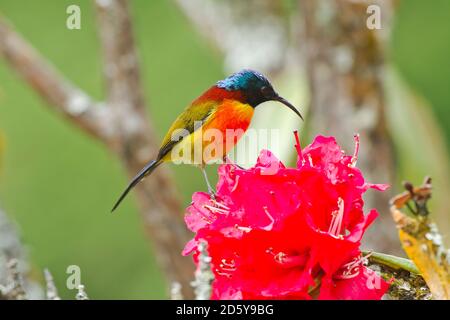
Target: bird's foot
<point x="227" y="160"/>
<point x="212" y="194"/>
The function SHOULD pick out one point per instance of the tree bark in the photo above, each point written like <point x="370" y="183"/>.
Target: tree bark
<point x="136" y="145"/>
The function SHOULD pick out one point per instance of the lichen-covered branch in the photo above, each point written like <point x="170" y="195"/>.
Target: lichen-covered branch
<point x="121" y="123"/>
<point x="406" y="283"/>
<point x="14" y="268"/>
<point x="81" y="294"/>
<point x="203" y="275"/>
<point x="136" y="144"/>
<point x="175" y="291"/>
<point x="13" y="289"/>
<point x="421" y="239"/>
<point x="52" y="291"/>
<point x="60" y="94"/>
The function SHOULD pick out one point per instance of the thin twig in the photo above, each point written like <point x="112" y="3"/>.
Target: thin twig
<point x="175" y="291"/>
<point x="60" y="94"/>
<point x="13" y="290"/>
<point x="203" y="275"/>
<point x="14" y="263"/>
<point x="81" y="294"/>
<point x="52" y="291"/>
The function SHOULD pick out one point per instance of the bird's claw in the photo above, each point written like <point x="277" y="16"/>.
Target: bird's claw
<point x="227" y="160"/>
<point x="212" y="194"/>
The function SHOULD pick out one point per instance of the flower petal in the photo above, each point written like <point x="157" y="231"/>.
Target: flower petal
<point x="366" y="285"/>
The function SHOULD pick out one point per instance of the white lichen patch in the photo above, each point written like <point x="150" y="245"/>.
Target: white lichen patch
<point x="77" y="103"/>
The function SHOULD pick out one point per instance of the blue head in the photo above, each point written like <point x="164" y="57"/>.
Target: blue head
<point x="255" y="88"/>
<point x="244" y="80"/>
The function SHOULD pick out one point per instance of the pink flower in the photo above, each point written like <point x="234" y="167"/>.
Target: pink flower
<point x="288" y="233"/>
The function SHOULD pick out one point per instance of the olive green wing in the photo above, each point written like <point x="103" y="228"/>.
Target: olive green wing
<point x="191" y="119"/>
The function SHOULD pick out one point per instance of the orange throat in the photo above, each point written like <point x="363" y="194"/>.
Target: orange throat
<point x="230" y="121"/>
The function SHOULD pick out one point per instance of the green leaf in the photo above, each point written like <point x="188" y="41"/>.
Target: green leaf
<point x="392" y="261"/>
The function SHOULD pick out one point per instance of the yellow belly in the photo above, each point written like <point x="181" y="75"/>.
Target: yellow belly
<point x="218" y="135"/>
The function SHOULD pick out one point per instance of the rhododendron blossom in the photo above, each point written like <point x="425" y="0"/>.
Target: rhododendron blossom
<point x="292" y="234"/>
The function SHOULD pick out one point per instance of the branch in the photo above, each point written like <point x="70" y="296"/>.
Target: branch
<point x="203" y="275"/>
<point x="421" y="239"/>
<point x="13" y="290"/>
<point x="81" y="294"/>
<point x="121" y="68"/>
<point x="135" y="143"/>
<point x="14" y="281"/>
<point x="406" y="282"/>
<point x="121" y="123"/>
<point x="52" y="291"/>
<point x="60" y="94"/>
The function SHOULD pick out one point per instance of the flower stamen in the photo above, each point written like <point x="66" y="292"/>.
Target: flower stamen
<point x="352" y="268"/>
<point x="285" y="260"/>
<point x="355" y="153"/>
<point x="310" y="160"/>
<point x="221" y="205"/>
<point x="244" y="229"/>
<point x="297" y="145"/>
<point x="228" y="266"/>
<point x="272" y="220"/>
<point x="235" y="184"/>
<point x="336" y="220"/>
<point x="224" y="274"/>
<point x="215" y="209"/>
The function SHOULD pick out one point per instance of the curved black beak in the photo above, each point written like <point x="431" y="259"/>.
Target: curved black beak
<point x="288" y="104"/>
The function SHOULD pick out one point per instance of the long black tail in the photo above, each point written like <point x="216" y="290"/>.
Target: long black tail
<point x="148" y="169"/>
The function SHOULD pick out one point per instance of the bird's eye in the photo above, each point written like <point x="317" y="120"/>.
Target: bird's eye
<point x="266" y="91"/>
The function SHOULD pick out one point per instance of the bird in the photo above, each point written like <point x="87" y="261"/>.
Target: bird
<point x="227" y="105"/>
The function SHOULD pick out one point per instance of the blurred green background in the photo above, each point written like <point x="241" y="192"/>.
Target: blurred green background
<point x="59" y="185"/>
